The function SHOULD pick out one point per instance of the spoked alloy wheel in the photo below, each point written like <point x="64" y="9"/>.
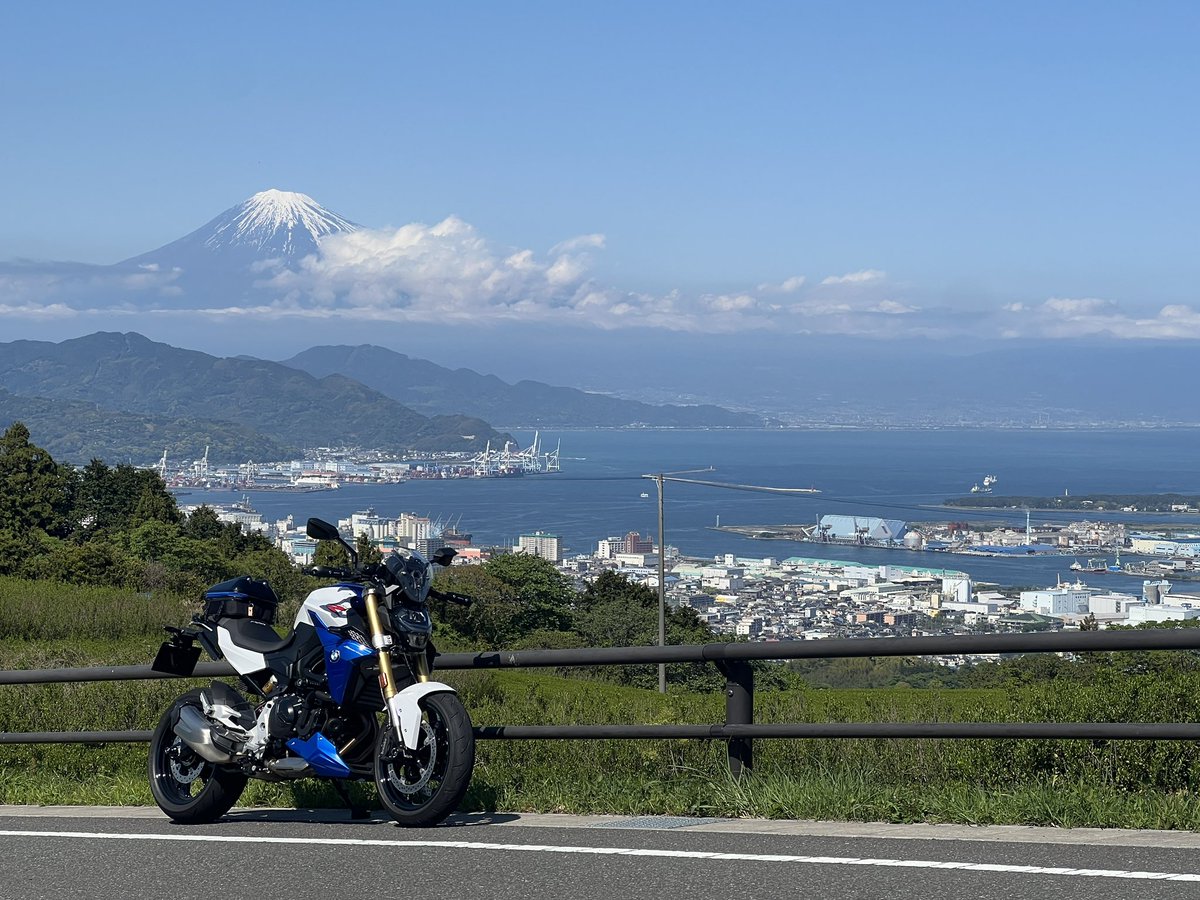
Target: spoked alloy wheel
<point x="185" y="786"/>
<point x="421" y="787"/>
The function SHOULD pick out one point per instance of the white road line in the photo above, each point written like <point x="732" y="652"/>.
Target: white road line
<point x="621" y="851"/>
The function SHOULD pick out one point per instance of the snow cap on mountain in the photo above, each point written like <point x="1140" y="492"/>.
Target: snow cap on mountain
<point x="272" y="225"/>
<point x="284" y="221"/>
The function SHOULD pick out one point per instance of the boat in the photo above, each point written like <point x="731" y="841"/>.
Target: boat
<point x="313" y="482"/>
<point x="986" y="487"/>
<point x="644" y="495"/>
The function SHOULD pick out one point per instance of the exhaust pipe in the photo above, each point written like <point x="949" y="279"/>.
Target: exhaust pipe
<point x="196" y="732"/>
<point x="289" y="767"/>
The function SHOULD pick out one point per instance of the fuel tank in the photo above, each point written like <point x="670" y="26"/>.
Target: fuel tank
<point x="332" y="605"/>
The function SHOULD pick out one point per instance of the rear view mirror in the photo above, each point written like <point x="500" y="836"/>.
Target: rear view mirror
<point x="443" y="556"/>
<point x="322" y="531"/>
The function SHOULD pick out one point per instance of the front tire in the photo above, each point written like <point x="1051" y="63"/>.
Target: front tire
<point x="186" y="787"/>
<point x="419" y="788"/>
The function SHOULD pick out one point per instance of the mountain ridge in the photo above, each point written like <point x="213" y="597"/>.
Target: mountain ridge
<point x="128" y="374"/>
<point x="426" y="387"/>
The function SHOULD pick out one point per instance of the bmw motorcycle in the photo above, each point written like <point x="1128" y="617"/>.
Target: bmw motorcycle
<point x="346" y="694"/>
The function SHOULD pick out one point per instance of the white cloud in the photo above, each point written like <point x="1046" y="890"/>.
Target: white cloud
<point x="37" y="311"/>
<point x="448" y="273"/>
<point x="1071" y="309"/>
<point x="1065" y="317"/>
<point x="821" y="308"/>
<point x="788" y="286"/>
<point x="730" y="302"/>
<point x="892" y="308"/>
<point x="575" y="244"/>
<point x="866" y="276"/>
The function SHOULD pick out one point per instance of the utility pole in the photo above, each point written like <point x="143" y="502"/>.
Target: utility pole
<point x="662" y="541"/>
<point x="662" y="587"/>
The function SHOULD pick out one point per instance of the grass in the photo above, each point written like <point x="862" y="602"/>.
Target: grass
<point x="1061" y="783"/>
<point x="872" y="780"/>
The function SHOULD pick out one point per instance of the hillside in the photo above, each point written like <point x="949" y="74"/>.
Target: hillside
<point x="428" y="387"/>
<point x="76" y="431"/>
<point x="151" y="386"/>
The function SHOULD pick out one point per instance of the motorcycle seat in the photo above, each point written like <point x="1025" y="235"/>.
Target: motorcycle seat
<point x="250" y="634"/>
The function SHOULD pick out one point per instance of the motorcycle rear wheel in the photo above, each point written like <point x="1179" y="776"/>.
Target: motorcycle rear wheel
<point x="186" y="787"/>
<point x="419" y="788"/>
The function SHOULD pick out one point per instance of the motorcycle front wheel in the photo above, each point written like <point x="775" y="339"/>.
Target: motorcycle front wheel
<point x="186" y="787"/>
<point x="420" y="787"/>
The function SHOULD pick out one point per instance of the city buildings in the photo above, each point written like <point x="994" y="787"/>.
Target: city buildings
<point x="798" y="598"/>
<point x="547" y="546"/>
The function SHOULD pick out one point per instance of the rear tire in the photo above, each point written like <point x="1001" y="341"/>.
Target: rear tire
<point x="186" y="787"/>
<point x="420" y="788"/>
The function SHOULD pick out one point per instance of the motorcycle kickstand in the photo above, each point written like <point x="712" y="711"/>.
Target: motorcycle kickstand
<point x="356" y="811"/>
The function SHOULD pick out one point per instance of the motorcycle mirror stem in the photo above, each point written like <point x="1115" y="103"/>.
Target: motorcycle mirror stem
<point x="320" y="530"/>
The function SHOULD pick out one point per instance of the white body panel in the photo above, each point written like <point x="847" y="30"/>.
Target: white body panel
<point x="404" y="709"/>
<point x="324" y="603"/>
<point x="244" y="661"/>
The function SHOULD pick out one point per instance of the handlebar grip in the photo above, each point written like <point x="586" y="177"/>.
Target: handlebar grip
<point x="460" y="599"/>
<point x="327" y="572"/>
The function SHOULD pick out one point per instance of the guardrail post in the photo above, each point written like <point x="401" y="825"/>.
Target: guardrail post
<point x="739" y="710"/>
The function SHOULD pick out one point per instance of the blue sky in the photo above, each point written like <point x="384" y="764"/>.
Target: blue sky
<point x="955" y="158"/>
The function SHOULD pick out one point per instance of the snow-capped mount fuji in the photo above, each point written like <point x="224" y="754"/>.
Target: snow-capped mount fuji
<point x="272" y="224"/>
<point x="281" y="223"/>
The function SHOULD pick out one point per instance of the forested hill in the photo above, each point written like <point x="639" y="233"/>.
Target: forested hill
<point x="430" y="388"/>
<point x="142" y="396"/>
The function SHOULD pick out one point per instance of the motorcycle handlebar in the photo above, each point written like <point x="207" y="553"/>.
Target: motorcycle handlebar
<point x="460" y="599"/>
<point x="330" y="572"/>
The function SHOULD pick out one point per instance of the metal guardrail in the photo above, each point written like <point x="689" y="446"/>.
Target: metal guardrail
<point x="733" y="660"/>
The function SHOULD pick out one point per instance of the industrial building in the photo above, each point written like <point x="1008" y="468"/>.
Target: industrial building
<point x="860" y="529"/>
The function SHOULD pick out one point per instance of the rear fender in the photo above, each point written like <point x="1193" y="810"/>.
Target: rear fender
<point x="404" y="709"/>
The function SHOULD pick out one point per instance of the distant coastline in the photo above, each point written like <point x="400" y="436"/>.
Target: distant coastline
<point x="1164" y="504"/>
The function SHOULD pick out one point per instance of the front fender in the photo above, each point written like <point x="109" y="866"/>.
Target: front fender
<point x="404" y="709"/>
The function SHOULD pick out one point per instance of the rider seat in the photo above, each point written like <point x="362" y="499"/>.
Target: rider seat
<point x="251" y="634"/>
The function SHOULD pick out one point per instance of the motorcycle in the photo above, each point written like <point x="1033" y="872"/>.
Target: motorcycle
<point x="346" y="694"/>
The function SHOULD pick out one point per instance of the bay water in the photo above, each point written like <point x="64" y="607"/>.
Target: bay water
<point x="896" y="474"/>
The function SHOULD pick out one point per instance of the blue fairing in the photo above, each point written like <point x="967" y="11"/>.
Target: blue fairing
<point x="341" y="656"/>
<point x="320" y="753"/>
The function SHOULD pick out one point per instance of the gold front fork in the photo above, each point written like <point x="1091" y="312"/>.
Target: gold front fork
<point x="379" y="638"/>
<point x="387" y="681"/>
<point x="421" y="663"/>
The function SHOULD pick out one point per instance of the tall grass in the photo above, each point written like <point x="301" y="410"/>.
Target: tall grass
<point x="50" y="611"/>
<point x="1079" y="782"/>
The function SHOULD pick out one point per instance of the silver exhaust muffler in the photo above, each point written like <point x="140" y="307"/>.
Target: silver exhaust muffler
<point x="195" y="731"/>
<point x="289" y="767"/>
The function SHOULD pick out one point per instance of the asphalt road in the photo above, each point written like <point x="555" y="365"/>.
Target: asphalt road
<point x="104" y="854"/>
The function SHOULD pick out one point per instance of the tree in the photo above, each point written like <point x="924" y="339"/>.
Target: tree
<point x="97" y="562"/>
<point x="616" y="612"/>
<point x="365" y="548"/>
<point x="155" y="504"/>
<point x="113" y="499"/>
<point x="331" y="554"/>
<point x="493" y="619"/>
<point x="35" y="492"/>
<point x="546" y="596"/>
<point x="203" y="524"/>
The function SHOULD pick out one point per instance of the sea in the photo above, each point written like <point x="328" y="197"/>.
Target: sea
<point x="602" y="490"/>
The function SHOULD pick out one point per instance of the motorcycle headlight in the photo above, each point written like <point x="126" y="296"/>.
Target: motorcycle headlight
<point x="412" y="574"/>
